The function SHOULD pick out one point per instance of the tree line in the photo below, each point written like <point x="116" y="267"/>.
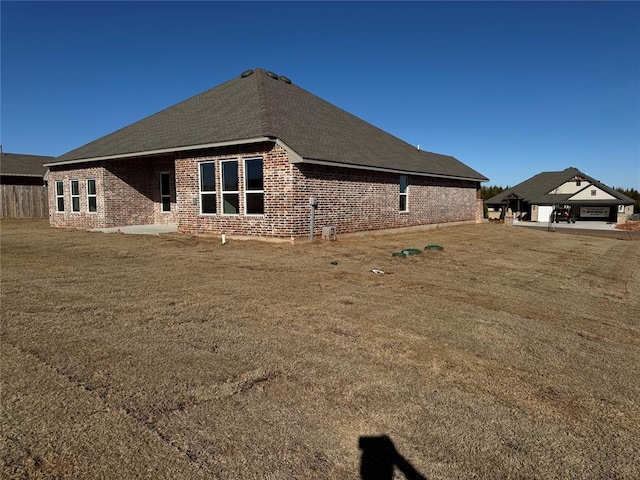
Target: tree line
<point x="490" y="191"/>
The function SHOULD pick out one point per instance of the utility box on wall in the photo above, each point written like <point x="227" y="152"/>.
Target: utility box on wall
<point x="329" y="233"/>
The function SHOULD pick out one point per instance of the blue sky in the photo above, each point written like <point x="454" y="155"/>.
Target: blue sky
<point x="509" y="88"/>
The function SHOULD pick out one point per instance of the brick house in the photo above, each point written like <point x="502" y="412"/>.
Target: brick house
<point x="245" y="157"/>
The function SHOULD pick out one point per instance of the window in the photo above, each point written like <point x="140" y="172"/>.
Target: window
<point x="578" y="183"/>
<point x="92" y="199"/>
<point x="59" y="196"/>
<point x="254" y="187"/>
<point x="230" y="196"/>
<point x="593" y="193"/>
<point x="75" y="196"/>
<point x="404" y="187"/>
<point x="165" y="192"/>
<point x="208" y="188"/>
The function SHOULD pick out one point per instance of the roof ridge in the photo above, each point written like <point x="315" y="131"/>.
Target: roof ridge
<point x="266" y="123"/>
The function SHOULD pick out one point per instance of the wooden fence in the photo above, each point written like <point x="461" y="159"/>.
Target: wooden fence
<point x="24" y="201"/>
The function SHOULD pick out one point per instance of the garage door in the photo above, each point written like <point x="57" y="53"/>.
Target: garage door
<point x="544" y="213"/>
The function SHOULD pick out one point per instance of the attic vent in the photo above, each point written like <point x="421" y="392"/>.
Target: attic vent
<point x="272" y="75"/>
<point x="246" y="73"/>
<point x="285" y="79"/>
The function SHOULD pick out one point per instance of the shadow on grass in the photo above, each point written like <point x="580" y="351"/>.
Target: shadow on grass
<point x="380" y="457"/>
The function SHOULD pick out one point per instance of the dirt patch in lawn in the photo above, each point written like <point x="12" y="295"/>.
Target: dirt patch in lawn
<point x="630" y="226"/>
<point x="511" y="353"/>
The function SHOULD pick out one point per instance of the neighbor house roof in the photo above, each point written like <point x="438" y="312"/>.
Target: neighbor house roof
<point x="260" y="105"/>
<point x="539" y="189"/>
<point x="18" y="164"/>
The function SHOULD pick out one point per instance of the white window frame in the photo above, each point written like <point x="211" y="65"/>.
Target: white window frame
<point x="213" y="193"/>
<point x="229" y="192"/>
<point x="59" y="196"/>
<point x="404" y="194"/>
<point x="165" y="195"/>
<point x="74" y="196"/>
<point x="92" y="195"/>
<point x="248" y="191"/>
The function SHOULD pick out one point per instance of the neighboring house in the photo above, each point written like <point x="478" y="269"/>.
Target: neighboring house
<point x="536" y="198"/>
<point x="23" y="191"/>
<point x="246" y="157"/>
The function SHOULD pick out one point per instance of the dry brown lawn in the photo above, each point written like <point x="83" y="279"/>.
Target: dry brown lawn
<point x="512" y="353"/>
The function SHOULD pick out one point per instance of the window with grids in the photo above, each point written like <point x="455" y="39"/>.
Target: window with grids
<point x="404" y="190"/>
<point x="254" y="186"/>
<point x="92" y="197"/>
<point x="230" y="187"/>
<point x="208" y="188"/>
<point x="75" y="196"/>
<point x="59" y="196"/>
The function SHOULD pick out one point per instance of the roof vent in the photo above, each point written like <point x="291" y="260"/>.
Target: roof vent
<point x="246" y="73"/>
<point x="285" y="79"/>
<point x="272" y="75"/>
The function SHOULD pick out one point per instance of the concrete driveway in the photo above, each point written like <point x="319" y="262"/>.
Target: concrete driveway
<point x="585" y="228"/>
<point x="583" y="225"/>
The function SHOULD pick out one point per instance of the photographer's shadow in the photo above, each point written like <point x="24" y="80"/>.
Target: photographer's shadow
<point x="380" y="457"/>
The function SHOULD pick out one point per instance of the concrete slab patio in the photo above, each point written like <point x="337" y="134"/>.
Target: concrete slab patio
<point x="139" y="229"/>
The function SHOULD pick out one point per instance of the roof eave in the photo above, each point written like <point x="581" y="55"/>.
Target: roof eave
<point x="34" y="175"/>
<point x="161" y="151"/>
<point x="383" y="169"/>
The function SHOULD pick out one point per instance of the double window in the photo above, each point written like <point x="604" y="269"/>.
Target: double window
<point x="230" y="187"/>
<point x="253" y="186"/>
<point x="404" y="189"/>
<point x="208" y="188"/>
<point x="75" y="196"/>
<point x="92" y="197"/>
<point x="59" y="196"/>
<point x="230" y="193"/>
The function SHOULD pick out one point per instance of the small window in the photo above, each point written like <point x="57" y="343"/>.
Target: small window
<point x="254" y="186"/>
<point x="75" y="196"/>
<point x="594" y="193"/>
<point x="165" y="192"/>
<point x="230" y="193"/>
<point x="578" y="183"/>
<point x="59" y="196"/>
<point x="92" y="199"/>
<point x="404" y="188"/>
<point x="208" y="188"/>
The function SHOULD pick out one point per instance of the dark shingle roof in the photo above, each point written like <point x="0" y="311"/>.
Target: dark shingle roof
<point x="539" y="188"/>
<point x="19" y="164"/>
<point x="259" y="105"/>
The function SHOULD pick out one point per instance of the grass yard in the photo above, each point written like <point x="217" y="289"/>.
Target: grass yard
<point x="512" y="353"/>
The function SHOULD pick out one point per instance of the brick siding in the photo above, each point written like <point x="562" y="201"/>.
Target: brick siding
<point x="349" y="199"/>
<point x="128" y="193"/>
<point x="81" y="219"/>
